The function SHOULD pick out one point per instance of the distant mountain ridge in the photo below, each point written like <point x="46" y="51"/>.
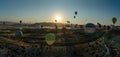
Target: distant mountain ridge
<point x="33" y="24"/>
<point x="8" y="22"/>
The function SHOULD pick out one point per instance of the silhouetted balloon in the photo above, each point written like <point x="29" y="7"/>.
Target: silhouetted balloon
<point x="20" y="21"/>
<point x="114" y="20"/>
<point x="74" y="17"/>
<point x="42" y="26"/>
<point x="68" y="21"/>
<point x="75" y="12"/>
<point x="50" y="38"/>
<point x="55" y="20"/>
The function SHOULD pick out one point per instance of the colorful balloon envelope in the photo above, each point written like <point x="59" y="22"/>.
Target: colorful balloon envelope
<point x="90" y="28"/>
<point x="114" y="20"/>
<point x="50" y="38"/>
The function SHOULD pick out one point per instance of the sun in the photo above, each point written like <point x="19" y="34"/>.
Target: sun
<point x="58" y="18"/>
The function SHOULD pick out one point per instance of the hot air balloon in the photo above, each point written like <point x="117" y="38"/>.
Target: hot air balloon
<point x="19" y="34"/>
<point x="114" y="20"/>
<point x="68" y="21"/>
<point x="42" y="26"/>
<point x="90" y="28"/>
<point x="20" y="21"/>
<point x="50" y="38"/>
<point x="55" y="20"/>
<point x="74" y="17"/>
<point x="75" y="12"/>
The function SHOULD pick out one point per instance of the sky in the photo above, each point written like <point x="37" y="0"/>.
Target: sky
<point x="32" y="11"/>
